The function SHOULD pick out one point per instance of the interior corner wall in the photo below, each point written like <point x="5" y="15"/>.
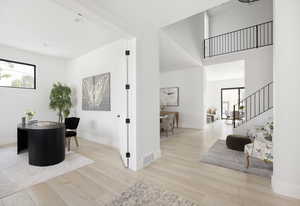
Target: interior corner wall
<point x="189" y="34"/>
<point x="14" y="102"/>
<point x="191" y="95"/>
<point x="99" y="126"/>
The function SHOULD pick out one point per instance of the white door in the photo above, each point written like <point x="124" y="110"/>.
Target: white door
<point x="120" y="80"/>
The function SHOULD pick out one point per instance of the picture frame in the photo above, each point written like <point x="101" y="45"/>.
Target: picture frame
<point x="169" y="96"/>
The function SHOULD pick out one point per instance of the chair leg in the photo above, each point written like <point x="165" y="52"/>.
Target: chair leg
<point x="69" y="144"/>
<point x="76" y="140"/>
<point x="247" y="161"/>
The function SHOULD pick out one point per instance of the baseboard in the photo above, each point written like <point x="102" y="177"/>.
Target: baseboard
<point x="156" y="156"/>
<point x="285" y="188"/>
<point x="99" y="140"/>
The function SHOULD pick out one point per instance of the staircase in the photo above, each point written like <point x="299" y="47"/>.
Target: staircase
<point x="253" y="105"/>
<point x="256" y="36"/>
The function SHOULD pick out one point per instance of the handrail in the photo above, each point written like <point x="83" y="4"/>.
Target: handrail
<point x="253" y="105"/>
<point x="256" y="36"/>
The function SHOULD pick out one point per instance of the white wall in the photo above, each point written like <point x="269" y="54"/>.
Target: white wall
<point x="191" y="102"/>
<point x="258" y="66"/>
<point x="99" y="126"/>
<point x="286" y="178"/>
<point x="14" y="102"/>
<point x="213" y="91"/>
<point x="235" y="15"/>
<point x="188" y="33"/>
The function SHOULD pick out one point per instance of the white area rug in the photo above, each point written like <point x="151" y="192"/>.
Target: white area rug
<point x="17" y="174"/>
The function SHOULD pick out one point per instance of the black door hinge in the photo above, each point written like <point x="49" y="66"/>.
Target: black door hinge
<point x="127" y="120"/>
<point x="127" y="52"/>
<point x="127" y="155"/>
<point x="127" y="86"/>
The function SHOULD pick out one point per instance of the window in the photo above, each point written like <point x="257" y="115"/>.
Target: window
<point x="17" y="74"/>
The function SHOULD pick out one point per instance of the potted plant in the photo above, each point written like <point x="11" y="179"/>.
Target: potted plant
<point x="29" y="114"/>
<point x="60" y="100"/>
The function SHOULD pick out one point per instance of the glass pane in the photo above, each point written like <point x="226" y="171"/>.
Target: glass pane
<point x="230" y="98"/>
<point x="16" y="75"/>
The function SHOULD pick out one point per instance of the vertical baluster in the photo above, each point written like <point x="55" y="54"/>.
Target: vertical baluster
<point x="259" y="93"/>
<point x="272" y="32"/>
<point x="252" y="40"/>
<point x="255" y="105"/>
<point x="231" y="34"/>
<point x="204" y="49"/>
<point x="233" y="116"/>
<point x="219" y="44"/>
<point x="246" y="106"/>
<point x="209" y="50"/>
<point x="256" y="36"/>
<point x="250" y="111"/>
<point x="264" y="33"/>
<point x="246" y="38"/>
<point x="264" y="99"/>
<point x="268" y="38"/>
<point x="268" y="96"/>
<point x="260" y="38"/>
<point x="214" y="46"/>
<point x="244" y="112"/>
<point x="225" y="44"/>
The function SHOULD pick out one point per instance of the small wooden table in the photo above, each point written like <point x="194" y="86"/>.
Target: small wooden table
<point x="162" y="113"/>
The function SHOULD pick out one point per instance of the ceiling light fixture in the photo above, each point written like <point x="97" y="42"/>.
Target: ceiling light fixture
<point x="247" y="1"/>
<point x="78" y="18"/>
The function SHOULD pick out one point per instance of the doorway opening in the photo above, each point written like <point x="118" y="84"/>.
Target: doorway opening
<point x="229" y="97"/>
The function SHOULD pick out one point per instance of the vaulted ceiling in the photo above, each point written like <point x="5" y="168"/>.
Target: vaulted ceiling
<point x="60" y="28"/>
<point x="46" y="27"/>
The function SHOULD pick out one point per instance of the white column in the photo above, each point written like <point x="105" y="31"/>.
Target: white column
<point x="286" y="176"/>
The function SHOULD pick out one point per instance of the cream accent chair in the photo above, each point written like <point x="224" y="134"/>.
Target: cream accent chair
<point x="261" y="148"/>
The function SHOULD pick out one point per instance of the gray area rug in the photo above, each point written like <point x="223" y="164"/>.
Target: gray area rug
<point x="143" y="194"/>
<point x="221" y="156"/>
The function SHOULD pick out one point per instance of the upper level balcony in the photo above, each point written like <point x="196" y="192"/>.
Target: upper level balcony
<point x="256" y="36"/>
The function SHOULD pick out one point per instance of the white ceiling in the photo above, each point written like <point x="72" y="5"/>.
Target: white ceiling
<point x="229" y="70"/>
<point x="46" y="27"/>
<point x="159" y="13"/>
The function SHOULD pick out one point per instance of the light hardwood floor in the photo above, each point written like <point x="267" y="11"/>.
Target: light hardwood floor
<point x="178" y="171"/>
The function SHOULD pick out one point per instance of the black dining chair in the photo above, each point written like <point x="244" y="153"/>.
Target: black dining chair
<point x="71" y="124"/>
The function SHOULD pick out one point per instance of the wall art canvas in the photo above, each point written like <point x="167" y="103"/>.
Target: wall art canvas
<point x="169" y="96"/>
<point x="96" y="93"/>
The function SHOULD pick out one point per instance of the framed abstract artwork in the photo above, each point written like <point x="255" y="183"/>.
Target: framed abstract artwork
<point x="96" y="93"/>
<point x="169" y="96"/>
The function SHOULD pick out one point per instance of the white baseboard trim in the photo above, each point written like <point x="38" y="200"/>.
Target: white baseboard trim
<point x="156" y="156"/>
<point x="285" y="188"/>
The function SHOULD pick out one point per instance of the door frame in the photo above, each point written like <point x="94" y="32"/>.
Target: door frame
<point x="230" y="88"/>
